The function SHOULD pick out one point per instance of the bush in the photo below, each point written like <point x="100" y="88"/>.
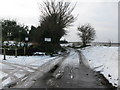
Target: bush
<point x="49" y="49"/>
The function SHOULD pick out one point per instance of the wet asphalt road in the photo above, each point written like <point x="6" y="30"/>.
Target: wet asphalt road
<point x="72" y="76"/>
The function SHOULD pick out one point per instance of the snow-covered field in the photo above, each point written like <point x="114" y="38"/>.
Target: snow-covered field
<point x="105" y="60"/>
<point x="16" y="68"/>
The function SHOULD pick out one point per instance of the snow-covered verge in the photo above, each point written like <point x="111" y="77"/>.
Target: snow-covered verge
<point x="105" y="60"/>
<point x="13" y="68"/>
<point x="28" y="60"/>
<point x="67" y="44"/>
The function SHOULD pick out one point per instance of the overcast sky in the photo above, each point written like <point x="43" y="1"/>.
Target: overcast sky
<point x="101" y="14"/>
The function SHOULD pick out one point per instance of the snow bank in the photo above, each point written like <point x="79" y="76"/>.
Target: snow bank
<point x="27" y="60"/>
<point x="105" y="60"/>
<point x="67" y="44"/>
<point x="19" y="67"/>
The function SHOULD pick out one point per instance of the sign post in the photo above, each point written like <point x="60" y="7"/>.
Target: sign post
<point x="47" y="39"/>
<point x="25" y="45"/>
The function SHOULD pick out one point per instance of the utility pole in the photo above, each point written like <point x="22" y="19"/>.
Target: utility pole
<point x="4" y="49"/>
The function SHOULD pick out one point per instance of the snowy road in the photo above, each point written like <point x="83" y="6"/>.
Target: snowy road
<point x="22" y="71"/>
<point x="72" y="73"/>
<point x="67" y="71"/>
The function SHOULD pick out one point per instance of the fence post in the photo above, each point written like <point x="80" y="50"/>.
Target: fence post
<point x="4" y="52"/>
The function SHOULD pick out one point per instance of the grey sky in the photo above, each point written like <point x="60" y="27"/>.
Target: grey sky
<point x="101" y="14"/>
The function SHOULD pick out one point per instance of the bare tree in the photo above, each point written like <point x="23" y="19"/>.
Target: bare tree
<point x="56" y="16"/>
<point x="86" y="33"/>
<point x="61" y="10"/>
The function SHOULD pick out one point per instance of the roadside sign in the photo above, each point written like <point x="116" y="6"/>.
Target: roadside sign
<point x="47" y="39"/>
<point x="26" y="38"/>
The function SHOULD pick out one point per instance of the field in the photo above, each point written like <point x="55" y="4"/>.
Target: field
<point x="105" y="60"/>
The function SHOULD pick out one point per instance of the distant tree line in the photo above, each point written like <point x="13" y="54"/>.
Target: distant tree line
<point x="11" y="30"/>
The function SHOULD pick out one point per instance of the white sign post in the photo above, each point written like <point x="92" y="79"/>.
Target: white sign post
<point x="47" y="39"/>
<point x="26" y="38"/>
